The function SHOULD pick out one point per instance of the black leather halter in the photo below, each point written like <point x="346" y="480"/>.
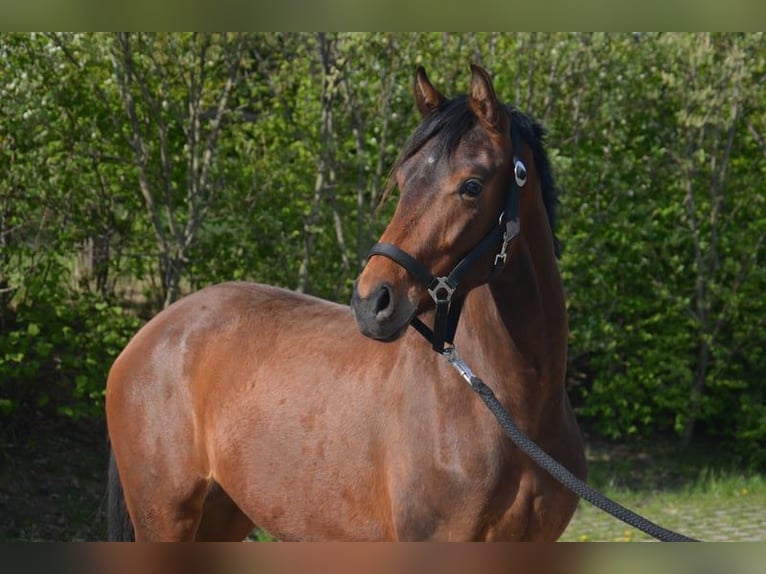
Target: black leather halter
<point x="442" y="289"/>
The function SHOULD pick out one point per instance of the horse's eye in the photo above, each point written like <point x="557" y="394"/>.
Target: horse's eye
<point x="471" y="188"/>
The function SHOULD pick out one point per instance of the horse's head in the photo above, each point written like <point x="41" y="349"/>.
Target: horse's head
<point x="454" y="177"/>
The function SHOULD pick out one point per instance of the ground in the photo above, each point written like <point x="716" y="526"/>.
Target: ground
<point x="52" y="487"/>
<point x="699" y="493"/>
<point x="52" y="482"/>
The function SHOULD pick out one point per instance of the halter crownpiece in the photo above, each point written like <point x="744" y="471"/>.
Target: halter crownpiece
<point x="442" y="289"/>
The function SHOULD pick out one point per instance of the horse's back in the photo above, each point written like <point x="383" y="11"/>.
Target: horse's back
<point x="183" y="330"/>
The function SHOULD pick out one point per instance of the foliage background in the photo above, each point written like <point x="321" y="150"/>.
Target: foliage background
<point x="135" y="168"/>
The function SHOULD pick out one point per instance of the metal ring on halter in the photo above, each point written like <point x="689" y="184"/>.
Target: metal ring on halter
<point x="442" y="284"/>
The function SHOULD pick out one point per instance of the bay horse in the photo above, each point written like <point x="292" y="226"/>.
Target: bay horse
<point x="245" y="404"/>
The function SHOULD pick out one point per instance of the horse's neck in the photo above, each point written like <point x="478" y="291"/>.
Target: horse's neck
<point x="517" y="324"/>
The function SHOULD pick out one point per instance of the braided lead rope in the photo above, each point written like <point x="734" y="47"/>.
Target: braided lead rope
<point x="554" y="468"/>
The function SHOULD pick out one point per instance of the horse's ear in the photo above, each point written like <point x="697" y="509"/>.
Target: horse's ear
<point x="427" y="97"/>
<point x="483" y="99"/>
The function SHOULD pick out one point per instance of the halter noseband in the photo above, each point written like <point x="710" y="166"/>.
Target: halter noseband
<point x="443" y="288"/>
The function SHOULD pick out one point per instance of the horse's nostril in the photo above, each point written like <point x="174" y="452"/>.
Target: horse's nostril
<point x="384" y="303"/>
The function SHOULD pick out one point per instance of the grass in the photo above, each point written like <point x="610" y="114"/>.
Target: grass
<point x="696" y="493"/>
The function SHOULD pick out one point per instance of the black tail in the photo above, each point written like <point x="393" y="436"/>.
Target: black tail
<point x="119" y="526"/>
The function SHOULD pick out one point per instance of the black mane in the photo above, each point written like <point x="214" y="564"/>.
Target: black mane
<point x="454" y="119"/>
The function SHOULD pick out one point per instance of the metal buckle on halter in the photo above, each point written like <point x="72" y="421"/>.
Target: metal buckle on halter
<point x="502" y="256"/>
<point x="442" y="284"/>
<point x="511" y="231"/>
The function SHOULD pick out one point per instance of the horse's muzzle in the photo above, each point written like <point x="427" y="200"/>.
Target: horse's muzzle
<point x="381" y="315"/>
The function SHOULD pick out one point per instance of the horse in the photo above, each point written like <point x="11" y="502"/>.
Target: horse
<point x="244" y="405"/>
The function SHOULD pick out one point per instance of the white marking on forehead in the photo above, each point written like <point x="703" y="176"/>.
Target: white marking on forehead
<point x="431" y="159"/>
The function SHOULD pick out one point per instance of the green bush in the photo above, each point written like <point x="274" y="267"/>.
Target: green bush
<point x="56" y="352"/>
